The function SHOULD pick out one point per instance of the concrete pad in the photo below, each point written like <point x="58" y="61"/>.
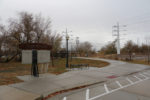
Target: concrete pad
<point x="38" y="86"/>
<point x="10" y="93"/>
<point x="135" y="66"/>
<point x="51" y="83"/>
<point x="123" y="69"/>
<point x="46" y="86"/>
<point x="78" y="79"/>
<point x="95" y="73"/>
<point x="30" y="77"/>
<point x="117" y="71"/>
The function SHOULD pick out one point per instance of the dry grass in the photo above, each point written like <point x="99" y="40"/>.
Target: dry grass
<point x="61" y="63"/>
<point x="114" y="57"/>
<point x="9" y="71"/>
<point x="139" y="62"/>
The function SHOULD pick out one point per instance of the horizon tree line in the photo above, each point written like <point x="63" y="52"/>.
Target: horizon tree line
<point x="32" y="28"/>
<point x="130" y="48"/>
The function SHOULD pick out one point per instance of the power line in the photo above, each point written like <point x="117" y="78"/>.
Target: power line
<point x="138" y="17"/>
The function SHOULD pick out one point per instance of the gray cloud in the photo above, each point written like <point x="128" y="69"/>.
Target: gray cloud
<point x="91" y="20"/>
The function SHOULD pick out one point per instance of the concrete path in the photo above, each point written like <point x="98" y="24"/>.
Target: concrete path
<point x="138" y="91"/>
<point x="51" y="83"/>
<point x="10" y="93"/>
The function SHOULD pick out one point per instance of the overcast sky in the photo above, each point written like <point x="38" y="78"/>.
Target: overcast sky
<point x="91" y="20"/>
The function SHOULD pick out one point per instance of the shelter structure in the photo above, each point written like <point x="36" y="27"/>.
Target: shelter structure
<point x="36" y="53"/>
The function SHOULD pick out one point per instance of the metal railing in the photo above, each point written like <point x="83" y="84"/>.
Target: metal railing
<point x="80" y="66"/>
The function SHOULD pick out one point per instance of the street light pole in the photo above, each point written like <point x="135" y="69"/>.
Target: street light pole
<point x="71" y="49"/>
<point x="67" y="38"/>
<point x="67" y="53"/>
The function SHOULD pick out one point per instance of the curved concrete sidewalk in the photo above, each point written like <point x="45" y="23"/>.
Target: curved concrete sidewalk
<point x="52" y="83"/>
<point x="10" y="93"/>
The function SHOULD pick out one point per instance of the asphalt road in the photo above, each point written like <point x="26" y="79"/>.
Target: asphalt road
<point x="137" y="74"/>
<point x="116" y="71"/>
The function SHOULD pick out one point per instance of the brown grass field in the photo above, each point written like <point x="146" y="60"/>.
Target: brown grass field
<point x="139" y="62"/>
<point x="9" y="71"/>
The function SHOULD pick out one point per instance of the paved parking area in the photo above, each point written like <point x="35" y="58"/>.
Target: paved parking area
<point x="134" y="87"/>
<point x="10" y="93"/>
<point x="129" y="85"/>
<point x="52" y="83"/>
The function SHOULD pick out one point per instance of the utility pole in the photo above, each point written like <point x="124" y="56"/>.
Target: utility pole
<point x="117" y="30"/>
<point x="71" y="49"/>
<point x="71" y="52"/>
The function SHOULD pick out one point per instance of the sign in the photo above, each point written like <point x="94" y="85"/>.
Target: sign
<point x="43" y="56"/>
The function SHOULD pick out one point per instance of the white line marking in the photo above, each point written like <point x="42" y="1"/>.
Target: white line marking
<point x="137" y="78"/>
<point x="146" y="73"/>
<point x="106" y="88"/>
<point x="143" y="76"/>
<point x="87" y="94"/>
<point x="65" y="98"/>
<point x="118" y="83"/>
<point x="98" y="96"/>
<point x="129" y="80"/>
<point x="121" y="87"/>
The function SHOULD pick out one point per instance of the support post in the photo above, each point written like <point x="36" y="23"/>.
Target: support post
<point x="34" y="69"/>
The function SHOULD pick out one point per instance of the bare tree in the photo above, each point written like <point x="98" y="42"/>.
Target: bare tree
<point x="29" y="28"/>
<point x="21" y="29"/>
<point x="42" y="26"/>
<point x="2" y="38"/>
<point x="129" y="49"/>
<point x="85" y="48"/>
<point x="110" y="48"/>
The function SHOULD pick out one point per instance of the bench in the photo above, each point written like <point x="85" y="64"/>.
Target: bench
<point x="80" y="66"/>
